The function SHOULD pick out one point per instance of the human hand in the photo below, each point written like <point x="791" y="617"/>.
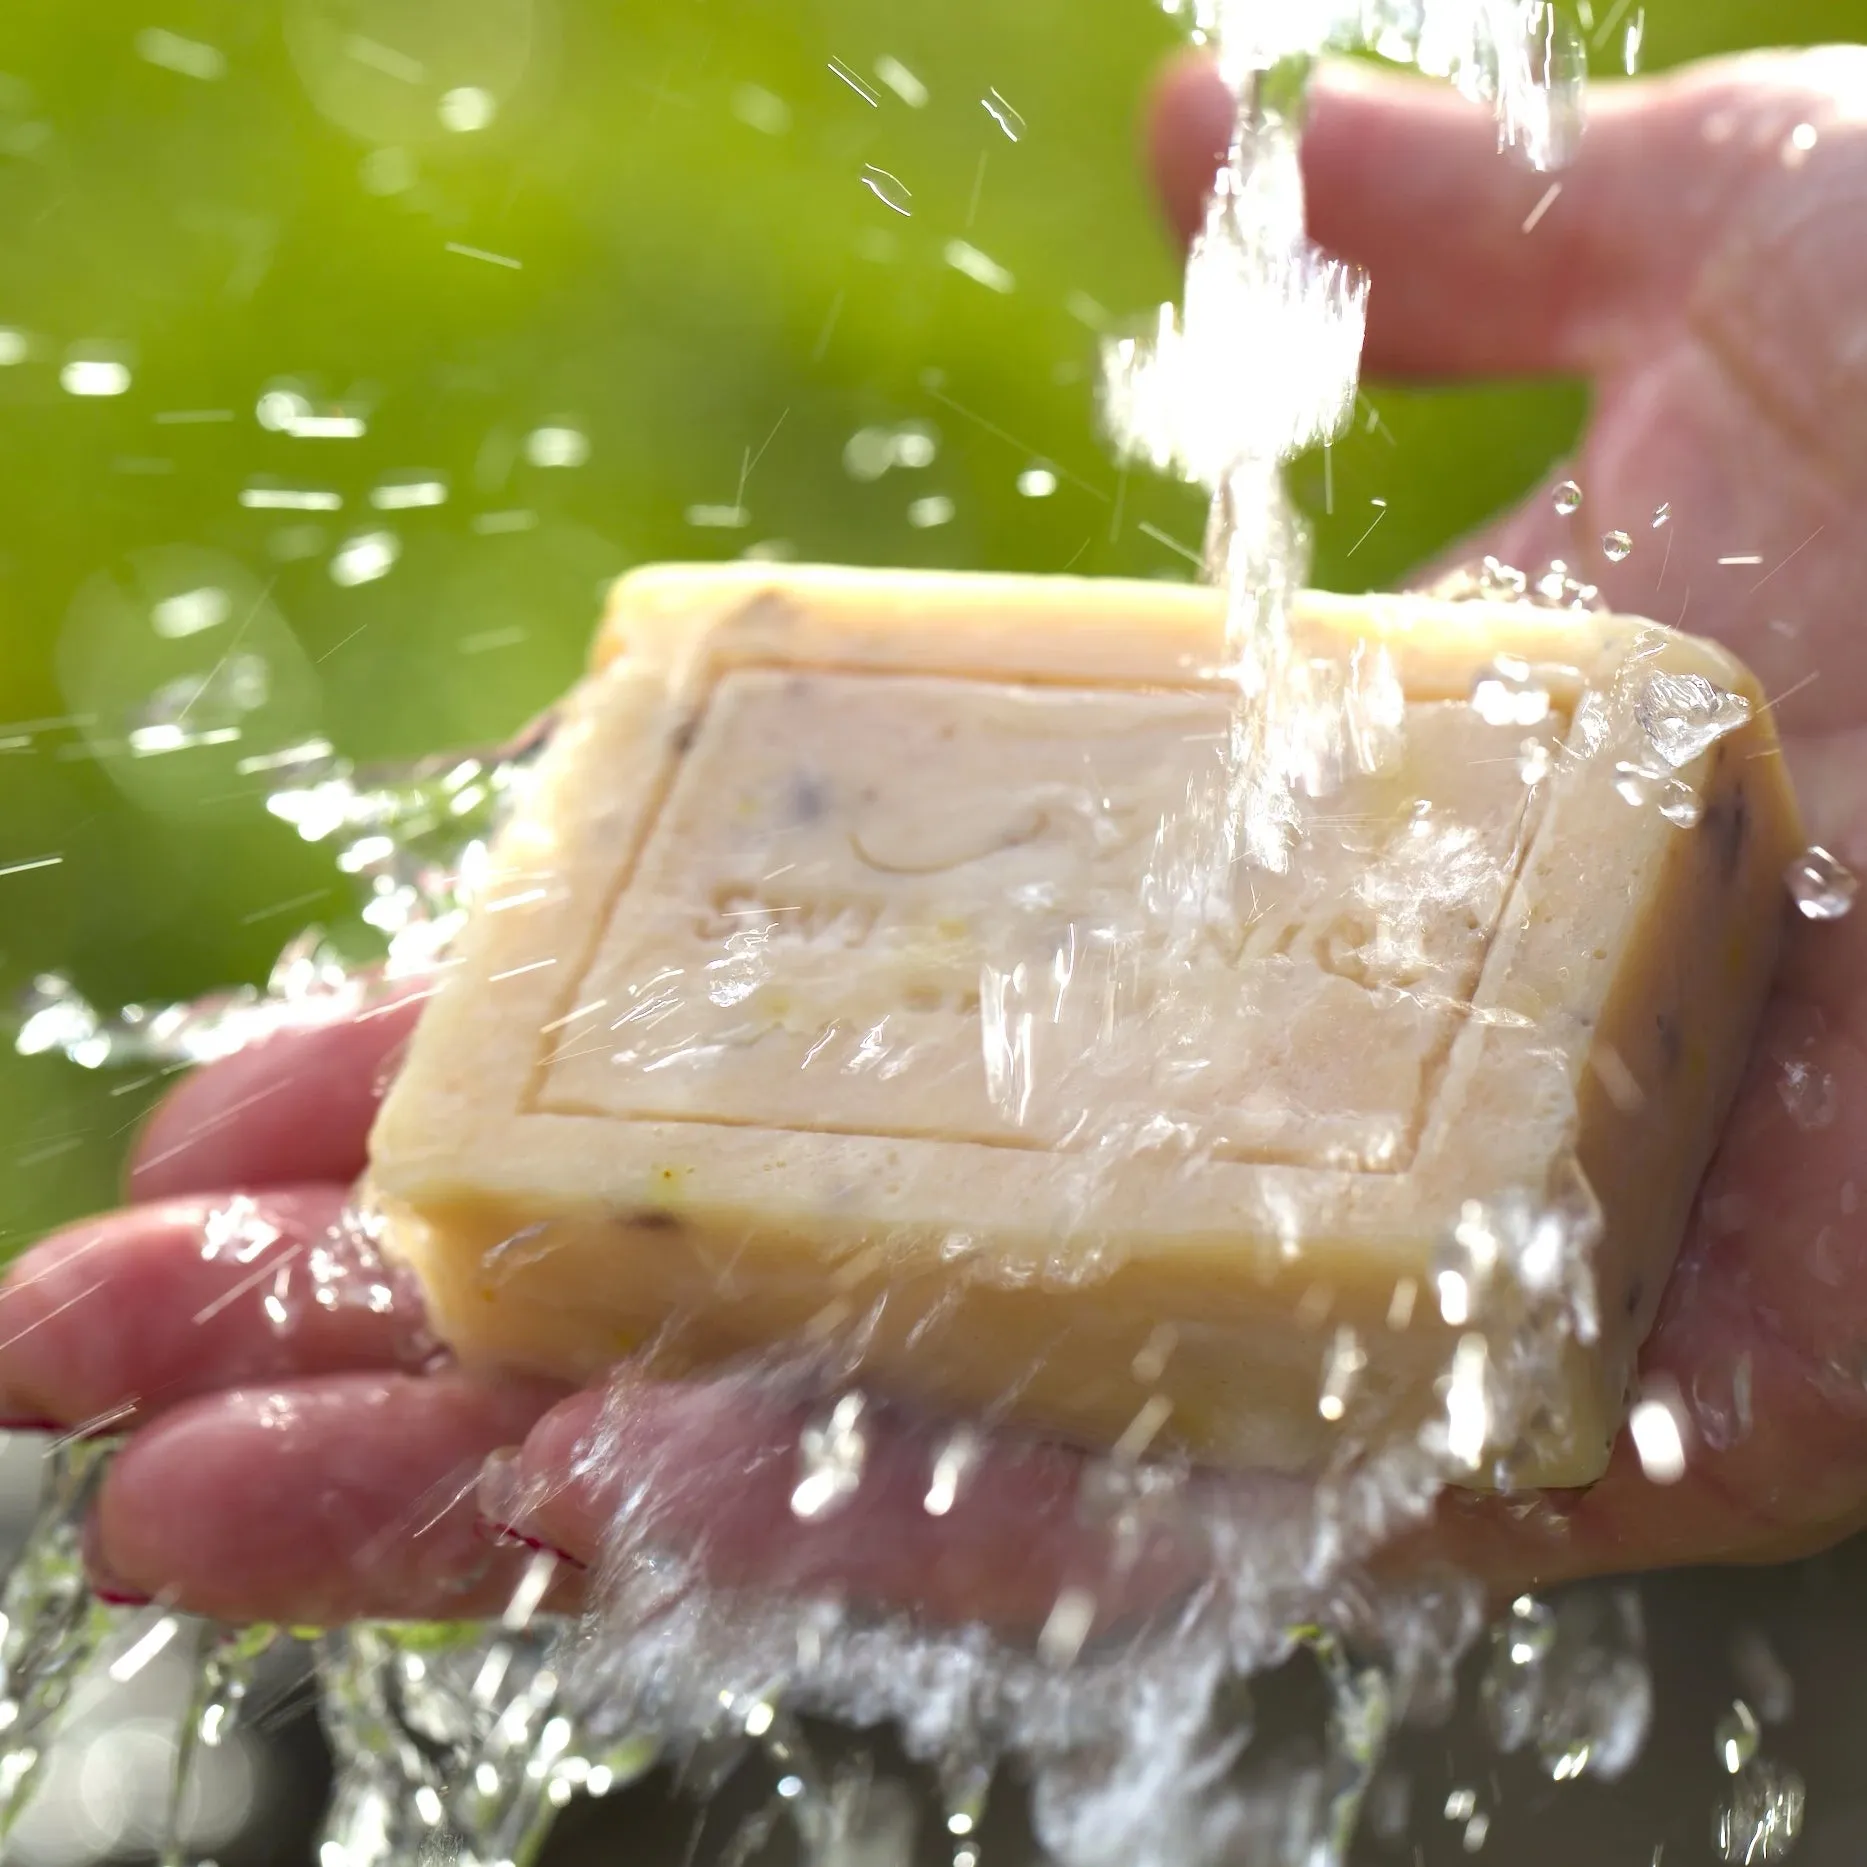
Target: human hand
<point x="1701" y="268"/>
<point x="297" y="1449"/>
<point x="312" y="1462"/>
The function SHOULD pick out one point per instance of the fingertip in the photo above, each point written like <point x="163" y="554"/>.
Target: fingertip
<point x="681" y="1450"/>
<point x="295" y="1106"/>
<point x="127" y="1314"/>
<point x="315" y="1503"/>
<point x="1404" y="179"/>
<point x="551" y="1485"/>
<point x="711" y="1471"/>
<point x="1190" y="121"/>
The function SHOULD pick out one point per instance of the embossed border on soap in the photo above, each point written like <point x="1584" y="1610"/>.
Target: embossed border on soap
<point x="697" y="697"/>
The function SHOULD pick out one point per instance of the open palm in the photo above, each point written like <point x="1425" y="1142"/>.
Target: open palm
<point x="300" y="1453"/>
<point x="1703" y="267"/>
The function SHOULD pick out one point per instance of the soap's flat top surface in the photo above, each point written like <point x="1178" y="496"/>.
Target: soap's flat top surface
<point x="865" y="966"/>
<point x="920" y="906"/>
<point x="869" y="897"/>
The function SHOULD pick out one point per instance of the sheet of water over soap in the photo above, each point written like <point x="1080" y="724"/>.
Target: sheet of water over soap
<point x="1022" y="950"/>
<point x="1026" y="958"/>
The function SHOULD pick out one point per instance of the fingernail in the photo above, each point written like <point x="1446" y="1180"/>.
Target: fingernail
<point x="110" y="1589"/>
<point x="508" y="1536"/>
<point x="114" y="1597"/>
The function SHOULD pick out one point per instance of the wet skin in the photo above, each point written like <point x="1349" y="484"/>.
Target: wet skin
<point x="1703" y="266"/>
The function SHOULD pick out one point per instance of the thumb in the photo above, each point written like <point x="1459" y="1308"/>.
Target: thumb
<point x="1480" y="266"/>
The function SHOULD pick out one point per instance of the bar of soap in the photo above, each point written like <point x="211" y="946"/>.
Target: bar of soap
<point x="825" y="992"/>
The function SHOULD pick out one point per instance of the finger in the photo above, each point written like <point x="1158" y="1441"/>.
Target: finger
<point x="317" y="1502"/>
<point x="1773" y="1470"/>
<point x="1190" y="122"/>
<point x="295" y="1108"/>
<point x="134" y="1312"/>
<point x="995" y="1534"/>
<point x="1481" y="265"/>
<point x="1758" y="1348"/>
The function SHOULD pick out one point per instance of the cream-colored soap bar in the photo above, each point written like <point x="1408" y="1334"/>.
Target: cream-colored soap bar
<point x="858" y="972"/>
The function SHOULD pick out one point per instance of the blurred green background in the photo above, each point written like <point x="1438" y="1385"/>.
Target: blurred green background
<point x="572" y="284"/>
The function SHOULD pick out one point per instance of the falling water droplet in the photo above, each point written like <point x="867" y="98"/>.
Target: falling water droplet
<point x="1568" y="498"/>
<point x="365" y="558"/>
<point x="1657" y="1428"/>
<point x="1736" y="1738"/>
<point x="1071" y="1620"/>
<point x="468" y="108"/>
<point x="951" y="1467"/>
<point x="965" y="1784"/>
<point x="1003" y="115"/>
<point x="1634" y="42"/>
<point x="1346" y="1359"/>
<point x="868" y="454"/>
<point x="1821" y="885"/>
<point x="831" y="1455"/>
<point x="902" y="82"/>
<point x="557" y="447"/>
<point x="1684" y="715"/>
<point x="1570" y="1682"/>
<point x="1528" y="1631"/>
<point x="890" y="190"/>
<point x="95" y="376"/>
<point x="916" y="446"/>
<point x="1617" y="546"/>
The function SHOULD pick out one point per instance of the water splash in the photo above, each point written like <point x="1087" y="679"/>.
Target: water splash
<point x="1264" y="358"/>
<point x="53" y="1624"/>
<point x="414" y="839"/>
<point x="1263" y="361"/>
<point x="1758" y="1817"/>
<point x="228" y="1661"/>
<point x="1571" y="1683"/>
<point x="1684" y="715"/>
<point x="454" y="1742"/>
<point x="1526" y="59"/>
